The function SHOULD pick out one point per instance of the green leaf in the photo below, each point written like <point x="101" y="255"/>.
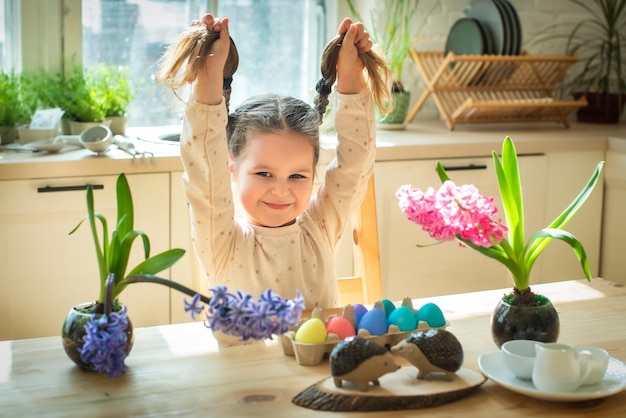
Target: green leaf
<point x="443" y="176"/>
<point x="547" y="234"/>
<point x="537" y="246"/>
<point x="509" y="184"/>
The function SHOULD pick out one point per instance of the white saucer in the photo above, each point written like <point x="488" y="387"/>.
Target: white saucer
<point x="614" y="381"/>
<point x="49" y="145"/>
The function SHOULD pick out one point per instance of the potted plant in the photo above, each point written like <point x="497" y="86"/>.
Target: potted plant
<point x="39" y="91"/>
<point x="98" y="335"/>
<point x="600" y="75"/>
<point x="393" y="29"/>
<point x="462" y="214"/>
<point x="12" y="109"/>
<point x="115" y="89"/>
<point x="81" y="101"/>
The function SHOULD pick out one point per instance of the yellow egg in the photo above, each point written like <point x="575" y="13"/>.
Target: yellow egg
<point x="313" y="331"/>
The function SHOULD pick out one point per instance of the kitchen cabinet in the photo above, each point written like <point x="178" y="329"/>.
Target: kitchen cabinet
<point x="613" y="263"/>
<point x="187" y="271"/>
<point x="549" y="183"/>
<point x="45" y="271"/>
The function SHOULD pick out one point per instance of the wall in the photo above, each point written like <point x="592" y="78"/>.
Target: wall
<point x="536" y="16"/>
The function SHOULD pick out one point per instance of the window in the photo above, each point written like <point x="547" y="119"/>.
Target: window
<point x="279" y="42"/>
<point x="3" y="36"/>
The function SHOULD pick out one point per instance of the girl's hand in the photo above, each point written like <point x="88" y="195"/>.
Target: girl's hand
<point x="208" y="88"/>
<point x="221" y="47"/>
<point x="350" y="77"/>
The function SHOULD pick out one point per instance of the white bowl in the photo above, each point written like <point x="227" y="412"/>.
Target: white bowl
<point x="97" y="138"/>
<point x="518" y="357"/>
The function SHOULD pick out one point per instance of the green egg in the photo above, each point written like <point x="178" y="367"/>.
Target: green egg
<point x="403" y="318"/>
<point x="432" y="315"/>
<point x="389" y="306"/>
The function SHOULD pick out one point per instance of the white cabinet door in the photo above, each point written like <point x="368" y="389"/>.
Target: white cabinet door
<point x="567" y="173"/>
<point x="613" y="265"/>
<point x="444" y="268"/>
<point x="187" y="271"/>
<point x="45" y="271"/>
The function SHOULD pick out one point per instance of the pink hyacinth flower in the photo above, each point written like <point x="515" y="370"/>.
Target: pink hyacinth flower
<point x="453" y="211"/>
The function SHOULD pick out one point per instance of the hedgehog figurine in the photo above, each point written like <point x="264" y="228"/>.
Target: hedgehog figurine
<point x="433" y="350"/>
<point x="360" y="361"/>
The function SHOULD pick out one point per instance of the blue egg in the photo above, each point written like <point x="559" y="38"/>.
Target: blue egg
<point x="359" y="311"/>
<point x="374" y="321"/>
<point x="431" y="314"/>
<point x="403" y="318"/>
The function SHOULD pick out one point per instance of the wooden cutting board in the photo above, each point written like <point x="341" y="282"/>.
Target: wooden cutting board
<point x="398" y="390"/>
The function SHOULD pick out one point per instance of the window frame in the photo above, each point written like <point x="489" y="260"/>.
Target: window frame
<point x="53" y="39"/>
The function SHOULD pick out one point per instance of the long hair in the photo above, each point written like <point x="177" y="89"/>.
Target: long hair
<point x="378" y="75"/>
<point x="183" y="59"/>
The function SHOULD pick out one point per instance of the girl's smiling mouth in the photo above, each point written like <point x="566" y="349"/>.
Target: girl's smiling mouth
<point x="277" y="206"/>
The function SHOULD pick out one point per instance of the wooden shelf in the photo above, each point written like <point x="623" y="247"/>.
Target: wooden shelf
<point x="494" y="88"/>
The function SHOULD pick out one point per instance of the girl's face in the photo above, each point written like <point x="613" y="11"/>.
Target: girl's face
<point x="273" y="178"/>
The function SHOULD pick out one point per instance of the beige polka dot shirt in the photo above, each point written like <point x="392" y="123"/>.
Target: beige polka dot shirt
<point x="299" y="256"/>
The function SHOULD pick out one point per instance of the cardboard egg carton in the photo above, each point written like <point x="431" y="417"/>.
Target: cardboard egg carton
<point x="308" y="354"/>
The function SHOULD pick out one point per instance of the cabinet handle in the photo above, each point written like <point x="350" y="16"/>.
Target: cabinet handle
<point x="465" y="167"/>
<point x="49" y="189"/>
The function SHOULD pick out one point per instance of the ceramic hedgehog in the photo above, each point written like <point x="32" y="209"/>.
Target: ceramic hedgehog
<point x="360" y="361"/>
<point x="433" y="350"/>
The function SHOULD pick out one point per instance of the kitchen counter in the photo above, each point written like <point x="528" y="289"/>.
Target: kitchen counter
<point x="423" y="140"/>
<point x="178" y="370"/>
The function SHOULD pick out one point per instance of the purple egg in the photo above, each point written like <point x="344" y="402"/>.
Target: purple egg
<point x="359" y="311"/>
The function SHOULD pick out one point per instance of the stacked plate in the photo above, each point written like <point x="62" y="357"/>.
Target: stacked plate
<point x="488" y="27"/>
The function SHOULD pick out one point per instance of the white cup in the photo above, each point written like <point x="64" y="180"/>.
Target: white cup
<point x="598" y="363"/>
<point x="518" y="357"/>
<point x="560" y="368"/>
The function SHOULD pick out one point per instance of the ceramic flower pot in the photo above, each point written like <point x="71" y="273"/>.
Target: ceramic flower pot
<point x="396" y="118"/>
<point x="511" y="322"/>
<point x="73" y="333"/>
<point x="118" y="124"/>
<point x="601" y="108"/>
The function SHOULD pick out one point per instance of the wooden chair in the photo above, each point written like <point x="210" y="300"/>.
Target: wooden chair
<point x="366" y="284"/>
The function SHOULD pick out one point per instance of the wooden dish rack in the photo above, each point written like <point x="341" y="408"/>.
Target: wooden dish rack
<point x="494" y="88"/>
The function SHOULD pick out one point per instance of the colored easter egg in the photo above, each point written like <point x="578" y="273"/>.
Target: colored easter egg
<point x="340" y="326"/>
<point x="389" y="306"/>
<point x="374" y="321"/>
<point x="312" y="331"/>
<point x="431" y="314"/>
<point x="359" y="311"/>
<point x="404" y="318"/>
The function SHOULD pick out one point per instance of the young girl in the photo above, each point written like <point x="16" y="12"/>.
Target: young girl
<point x="267" y="150"/>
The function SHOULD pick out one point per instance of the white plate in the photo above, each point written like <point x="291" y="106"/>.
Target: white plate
<point x="49" y="145"/>
<point x="614" y="381"/>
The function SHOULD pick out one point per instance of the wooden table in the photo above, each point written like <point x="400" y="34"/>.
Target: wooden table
<point x="178" y="370"/>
